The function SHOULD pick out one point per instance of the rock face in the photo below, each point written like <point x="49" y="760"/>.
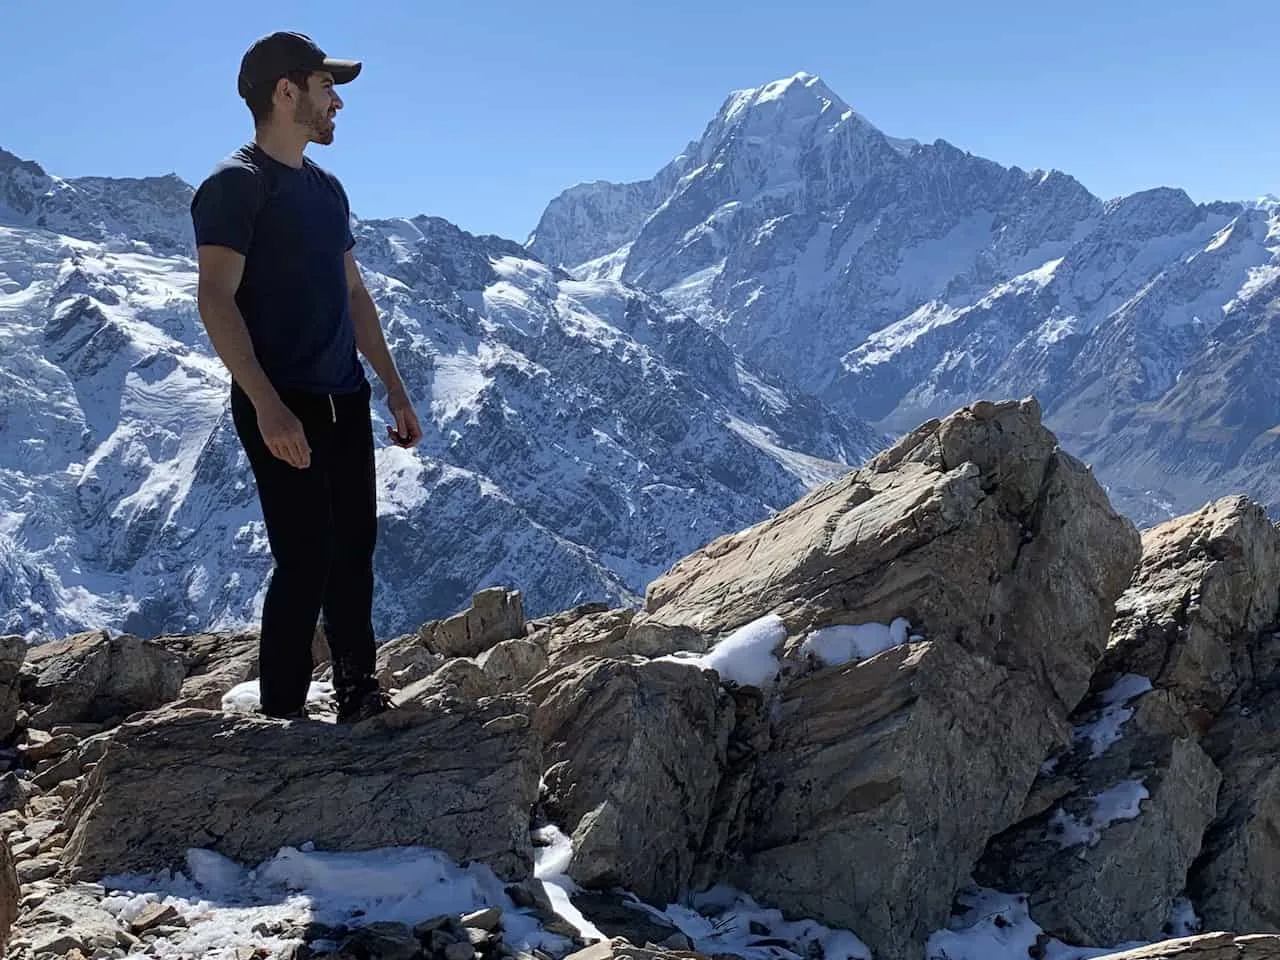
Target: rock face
<point x="634" y="754"/>
<point x="1116" y="825"/>
<point x="1004" y="555"/>
<point x="871" y="764"/>
<point x="461" y="779"/>
<point x="1236" y="881"/>
<point x="1206" y="587"/>
<point x="12" y="651"/>
<point x="9" y="893"/>
<point x="96" y="677"/>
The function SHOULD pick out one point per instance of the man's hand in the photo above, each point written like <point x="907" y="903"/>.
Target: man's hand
<point x="283" y="434"/>
<point x="406" y="432"/>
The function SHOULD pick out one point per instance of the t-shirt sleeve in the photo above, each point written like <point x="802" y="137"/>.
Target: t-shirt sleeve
<point x="223" y="210"/>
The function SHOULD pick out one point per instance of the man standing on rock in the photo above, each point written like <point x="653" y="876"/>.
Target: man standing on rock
<point x="286" y="310"/>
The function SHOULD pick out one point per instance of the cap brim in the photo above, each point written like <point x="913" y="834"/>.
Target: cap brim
<point x="344" y="71"/>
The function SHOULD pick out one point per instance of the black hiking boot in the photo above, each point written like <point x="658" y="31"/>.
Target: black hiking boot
<point x="370" y="704"/>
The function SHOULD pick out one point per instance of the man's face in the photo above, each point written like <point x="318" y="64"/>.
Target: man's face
<point x="315" y="107"/>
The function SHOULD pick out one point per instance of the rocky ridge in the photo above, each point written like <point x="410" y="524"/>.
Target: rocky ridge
<point x="954" y="674"/>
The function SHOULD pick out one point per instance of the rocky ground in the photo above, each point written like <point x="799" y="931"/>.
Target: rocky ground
<point x="950" y="699"/>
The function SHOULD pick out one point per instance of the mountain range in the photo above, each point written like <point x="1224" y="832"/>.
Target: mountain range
<point x="661" y="362"/>
<point x="898" y="280"/>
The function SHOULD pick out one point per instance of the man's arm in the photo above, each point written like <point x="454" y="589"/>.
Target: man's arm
<point x="371" y="342"/>
<point x="220" y="271"/>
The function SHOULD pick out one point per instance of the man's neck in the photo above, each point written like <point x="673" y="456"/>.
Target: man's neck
<point x="284" y="145"/>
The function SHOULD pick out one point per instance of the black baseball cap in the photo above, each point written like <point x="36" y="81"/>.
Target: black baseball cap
<point x="276" y="54"/>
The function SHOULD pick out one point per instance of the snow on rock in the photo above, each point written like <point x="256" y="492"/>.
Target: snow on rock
<point x="226" y="906"/>
<point x="998" y="926"/>
<point x="550" y="865"/>
<point x="247" y="697"/>
<point x="745" y="657"/>
<point x="1121" y="802"/>
<point x="844" y="643"/>
<point x="723" y="920"/>
<point x="1116" y="711"/>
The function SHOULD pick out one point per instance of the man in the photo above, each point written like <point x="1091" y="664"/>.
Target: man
<point x="287" y="311"/>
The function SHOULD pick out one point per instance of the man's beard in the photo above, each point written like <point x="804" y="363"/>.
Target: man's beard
<point x="317" y="122"/>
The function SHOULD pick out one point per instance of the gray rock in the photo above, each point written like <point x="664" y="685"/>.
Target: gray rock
<point x="634" y="753"/>
<point x="455" y="776"/>
<point x="1120" y="885"/>
<point x="404" y="661"/>
<point x="213" y="663"/>
<point x="383" y="941"/>
<point x="12" y="651"/>
<point x="10" y="893"/>
<point x="909" y="761"/>
<point x="94" y="677"/>
<point x="512" y="664"/>
<point x="1207" y="585"/>
<point x="32" y="870"/>
<point x="489" y="919"/>
<point x="495" y="614"/>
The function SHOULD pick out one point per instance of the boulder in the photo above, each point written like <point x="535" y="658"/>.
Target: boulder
<point x="977" y="528"/>
<point x="404" y="661"/>
<point x="95" y="677"/>
<point x="883" y="782"/>
<point x="512" y="664"/>
<point x="214" y="663"/>
<point x="634" y="754"/>
<point x="10" y="893"/>
<point x="1207" y="946"/>
<point x="12" y="651"/>
<point x="1207" y="585"/>
<point x="609" y="634"/>
<point x="459" y="777"/>
<point x="495" y="614"/>
<point x="1004" y="555"/>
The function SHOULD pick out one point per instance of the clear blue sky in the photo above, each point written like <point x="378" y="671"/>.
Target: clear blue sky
<point x="482" y="111"/>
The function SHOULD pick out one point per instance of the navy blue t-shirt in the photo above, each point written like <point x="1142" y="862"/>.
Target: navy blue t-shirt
<point x="294" y="228"/>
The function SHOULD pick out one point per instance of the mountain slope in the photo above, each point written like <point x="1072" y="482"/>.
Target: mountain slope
<point x="580" y="436"/>
<point x="900" y="280"/>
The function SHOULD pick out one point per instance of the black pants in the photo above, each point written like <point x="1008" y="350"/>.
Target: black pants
<point x="321" y="524"/>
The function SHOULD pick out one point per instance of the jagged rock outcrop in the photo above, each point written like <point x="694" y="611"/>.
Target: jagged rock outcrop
<point x="1115" y="825"/>
<point x="1006" y="558"/>
<point x="461" y="779"/>
<point x="96" y="677"/>
<point x="1206" y="586"/>
<point x="634" y="754"/>
<point x="9" y="893"/>
<point x="12" y="651"/>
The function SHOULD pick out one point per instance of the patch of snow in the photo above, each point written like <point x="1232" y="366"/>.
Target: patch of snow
<point x="998" y="926"/>
<point x="1121" y="802"/>
<point x="746" y="655"/>
<point x="1183" y="920"/>
<point x="719" y="921"/>
<point x="1104" y="731"/>
<point x="809" y="470"/>
<point x="843" y="643"/>
<point x="226" y="906"/>
<point x="247" y="697"/>
<point x="550" y="865"/>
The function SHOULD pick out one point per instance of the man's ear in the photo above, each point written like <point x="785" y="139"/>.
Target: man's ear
<point x="283" y="90"/>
